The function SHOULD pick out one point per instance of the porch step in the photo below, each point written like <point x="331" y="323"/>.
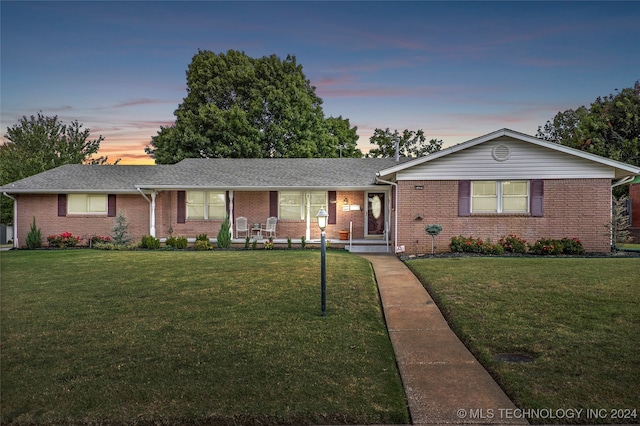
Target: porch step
<point x="370" y="248"/>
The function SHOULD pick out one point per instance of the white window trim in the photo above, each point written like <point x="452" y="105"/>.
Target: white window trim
<point x="206" y="205"/>
<point x="499" y="195"/>
<point x="87" y="203"/>
<point x="303" y="203"/>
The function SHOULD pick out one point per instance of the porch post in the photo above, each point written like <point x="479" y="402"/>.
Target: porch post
<point x="307" y="234"/>
<point x="152" y="214"/>
<point x="231" y="213"/>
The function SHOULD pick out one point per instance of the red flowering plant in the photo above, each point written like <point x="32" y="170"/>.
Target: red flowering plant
<point x="64" y="240"/>
<point x="513" y="244"/>
<point x="98" y="239"/>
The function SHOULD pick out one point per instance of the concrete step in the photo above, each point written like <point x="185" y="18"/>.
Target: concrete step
<point x="371" y="248"/>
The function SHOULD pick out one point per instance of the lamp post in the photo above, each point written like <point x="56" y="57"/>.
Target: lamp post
<point x="322" y="224"/>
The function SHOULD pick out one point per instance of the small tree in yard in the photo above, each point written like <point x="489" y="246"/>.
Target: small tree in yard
<point x="433" y="230"/>
<point x="34" y="237"/>
<point x="619" y="226"/>
<point x="224" y="235"/>
<point x="121" y="230"/>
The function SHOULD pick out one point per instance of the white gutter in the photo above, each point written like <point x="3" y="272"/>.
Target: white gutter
<point x="623" y="181"/>
<point x="15" y="219"/>
<point x="395" y="202"/>
<point x="152" y="211"/>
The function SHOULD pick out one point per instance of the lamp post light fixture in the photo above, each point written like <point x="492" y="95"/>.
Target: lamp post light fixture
<point x="322" y="224"/>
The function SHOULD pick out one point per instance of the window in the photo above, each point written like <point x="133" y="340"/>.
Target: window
<point x="500" y="196"/>
<point x="206" y="204"/>
<point x="292" y="204"/>
<point x="87" y="204"/>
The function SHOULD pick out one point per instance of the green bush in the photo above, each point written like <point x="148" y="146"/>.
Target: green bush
<point x="548" y="246"/>
<point x="203" y="245"/>
<point x="289" y="243"/>
<point x="181" y="243"/>
<point x="121" y="230"/>
<point x="64" y="240"/>
<point x="34" y="237"/>
<point x="572" y="246"/>
<point x="202" y="237"/>
<point x="303" y="241"/>
<point x="177" y="242"/>
<point x="224" y="235"/>
<point x="150" y="242"/>
<point x="513" y="244"/>
<point x="461" y="244"/>
<point x="254" y="244"/>
<point x="246" y="242"/>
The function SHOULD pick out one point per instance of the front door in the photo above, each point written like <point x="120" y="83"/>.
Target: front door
<point x="375" y="214"/>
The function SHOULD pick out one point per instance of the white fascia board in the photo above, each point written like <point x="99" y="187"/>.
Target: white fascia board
<point x="259" y="188"/>
<point x="70" y="191"/>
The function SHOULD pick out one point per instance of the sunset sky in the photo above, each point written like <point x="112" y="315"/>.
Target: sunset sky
<point x="457" y="70"/>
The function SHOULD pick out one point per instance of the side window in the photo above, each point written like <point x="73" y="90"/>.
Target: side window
<point x="86" y="204"/>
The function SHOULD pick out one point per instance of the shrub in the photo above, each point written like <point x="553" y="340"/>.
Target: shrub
<point x="150" y="242"/>
<point x="171" y="242"/>
<point x="513" y="244"/>
<point x="182" y="242"/>
<point x="571" y="246"/>
<point x="64" y="240"/>
<point x="203" y="245"/>
<point x="34" y="237"/>
<point x="254" y="244"/>
<point x="462" y="244"/>
<point x="202" y="237"/>
<point x="303" y="241"/>
<point x="121" y="230"/>
<point x="246" y="242"/>
<point x="97" y="239"/>
<point x="546" y="246"/>
<point x="269" y="244"/>
<point x="224" y="235"/>
<point x="289" y="243"/>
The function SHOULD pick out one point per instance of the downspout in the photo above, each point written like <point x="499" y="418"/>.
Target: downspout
<point x="231" y="213"/>
<point x="15" y="219"/>
<point x="623" y="181"/>
<point x="152" y="211"/>
<point x="395" y="216"/>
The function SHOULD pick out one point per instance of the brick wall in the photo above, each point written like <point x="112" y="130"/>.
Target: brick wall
<point x="44" y="208"/>
<point x="572" y="208"/>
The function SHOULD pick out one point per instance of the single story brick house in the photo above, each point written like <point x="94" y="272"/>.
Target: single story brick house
<point x="501" y="183"/>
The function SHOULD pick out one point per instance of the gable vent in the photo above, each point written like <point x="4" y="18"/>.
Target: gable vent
<point x="501" y="153"/>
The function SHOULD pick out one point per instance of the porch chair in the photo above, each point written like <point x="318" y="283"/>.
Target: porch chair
<point x="241" y="226"/>
<point x="271" y="226"/>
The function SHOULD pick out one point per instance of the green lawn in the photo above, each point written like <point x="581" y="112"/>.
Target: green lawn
<point x="213" y="337"/>
<point x="579" y="319"/>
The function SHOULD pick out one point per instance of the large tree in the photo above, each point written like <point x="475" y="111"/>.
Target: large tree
<point x="610" y="127"/>
<point x="39" y="143"/>
<point x="342" y="137"/>
<point x="241" y="107"/>
<point x="411" y="143"/>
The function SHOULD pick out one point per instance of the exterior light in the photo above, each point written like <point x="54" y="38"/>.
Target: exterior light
<point x="322" y="219"/>
<point x="322" y="224"/>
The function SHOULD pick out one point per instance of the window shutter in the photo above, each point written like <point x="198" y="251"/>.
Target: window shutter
<point x="111" y="205"/>
<point x="273" y="203"/>
<point x="331" y="208"/>
<point x="464" y="198"/>
<point x="62" y="205"/>
<point x="227" y="207"/>
<point x="537" y="197"/>
<point x="182" y="207"/>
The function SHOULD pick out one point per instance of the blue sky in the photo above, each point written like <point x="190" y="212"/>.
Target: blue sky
<point x="457" y="70"/>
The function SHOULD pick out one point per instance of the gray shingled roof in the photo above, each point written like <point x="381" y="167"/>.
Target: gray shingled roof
<point x="208" y="173"/>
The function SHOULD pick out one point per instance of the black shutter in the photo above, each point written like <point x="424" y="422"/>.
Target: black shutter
<point x="182" y="207"/>
<point x="537" y="197"/>
<point x="331" y="208"/>
<point x="464" y="198"/>
<point x="273" y="203"/>
<point x="62" y="205"/>
<point x="111" y="205"/>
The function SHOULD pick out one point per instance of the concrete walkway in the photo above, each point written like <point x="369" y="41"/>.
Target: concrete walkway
<point x="443" y="382"/>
